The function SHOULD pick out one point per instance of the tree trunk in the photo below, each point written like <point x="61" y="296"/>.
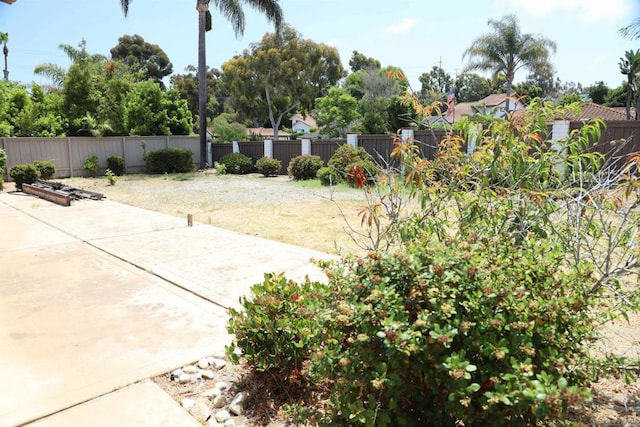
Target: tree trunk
<point x="508" y="93"/>
<point x="628" y="105"/>
<point x="5" y="51"/>
<point x="203" y="7"/>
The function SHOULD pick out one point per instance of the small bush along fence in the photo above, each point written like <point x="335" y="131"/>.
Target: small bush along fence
<point x="170" y="160"/>
<point x="116" y="165"/>
<point x="24" y="174"/>
<point x="304" y="167"/>
<point x="237" y="163"/>
<point x="268" y="166"/>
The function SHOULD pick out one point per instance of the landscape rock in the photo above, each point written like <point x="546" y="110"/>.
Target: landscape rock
<point x="203" y="363"/>
<point x="196" y="377"/>
<point x="211" y="393"/>
<point x="176" y="374"/>
<point x="222" y="416"/>
<point x="237" y="405"/>
<point x="188" y="403"/>
<point x="229" y="423"/>
<point x="200" y="412"/>
<point x="219" y="402"/>
<point x="221" y="385"/>
<point x="218" y="363"/>
<point x="184" y="378"/>
<point x="208" y="374"/>
<point x="190" y="369"/>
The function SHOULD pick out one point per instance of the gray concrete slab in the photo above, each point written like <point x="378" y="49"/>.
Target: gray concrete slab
<point x="139" y="405"/>
<point x="97" y="296"/>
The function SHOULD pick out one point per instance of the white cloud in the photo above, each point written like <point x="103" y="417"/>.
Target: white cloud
<point x="589" y="11"/>
<point x="403" y="26"/>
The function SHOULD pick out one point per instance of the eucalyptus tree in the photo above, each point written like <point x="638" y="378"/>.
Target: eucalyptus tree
<point x="630" y="66"/>
<point x="506" y="50"/>
<point x="232" y="11"/>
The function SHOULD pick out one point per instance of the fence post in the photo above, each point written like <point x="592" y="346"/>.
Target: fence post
<point x="209" y="161"/>
<point x="352" y="139"/>
<point x="268" y="148"/>
<point x="406" y="134"/>
<point x="69" y="157"/>
<point x="306" y="146"/>
<point x="236" y="147"/>
<point x="560" y="130"/>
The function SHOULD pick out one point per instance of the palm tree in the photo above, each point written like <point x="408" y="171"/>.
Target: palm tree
<point x="632" y="30"/>
<point x="506" y="50"/>
<point x="56" y="73"/>
<point x="4" y="38"/>
<point x="232" y="11"/>
<point x="630" y="67"/>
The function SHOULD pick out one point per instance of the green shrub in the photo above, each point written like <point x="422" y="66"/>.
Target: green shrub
<point x="116" y="164"/>
<point x="92" y="164"/>
<point x="329" y="176"/>
<point x="170" y="160"/>
<point x="304" y="167"/>
<point x="345" y="156"/>
<point x="220" y="168"/>
<point x="278" y="326"/>
<point x="368" y="170"/>
<point x="46" y="168"/>
<point x="3" y="161"/>
<point x="268" y="166"/>
<point x="111" y="177"/>
<point x="440" y="332"/>
<point x="24" y="174"/>
<point x="237" y="163"/>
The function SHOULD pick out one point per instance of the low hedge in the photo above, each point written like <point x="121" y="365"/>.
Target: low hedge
<point x="24" y="174"/>
<point x="170" y="160"/>
<point x="237" y="163"/>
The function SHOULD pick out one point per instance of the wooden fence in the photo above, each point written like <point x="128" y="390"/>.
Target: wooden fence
<point x="69" y="154"/>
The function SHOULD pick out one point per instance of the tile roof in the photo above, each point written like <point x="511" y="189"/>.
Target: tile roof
<point x="591" y="110"/>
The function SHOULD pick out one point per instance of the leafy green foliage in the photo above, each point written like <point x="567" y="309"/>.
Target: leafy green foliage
<point x="145" y="59"/>
<point x="329" y="176"/>
<point x="304" y="167"/>
<point x="268" y="166"/>
<point x="237" y="163"/>
<point x="116" y="164"/>
<point x="170" y="160"/>
<point x="46" y="168"/>
<point x="3" y="160"/>
<point x="487" y="308"/>
<point x="346" y="160"/>
<point x="24" y="174"/>
<point x="278" y="326"/>
<point x="226" y="130"/>
<point x="92" y="164"/>
<point x="111" y="177"/>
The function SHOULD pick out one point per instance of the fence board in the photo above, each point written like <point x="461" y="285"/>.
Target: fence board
<point x="325" y="148"/>
<point x="285" y="151"/>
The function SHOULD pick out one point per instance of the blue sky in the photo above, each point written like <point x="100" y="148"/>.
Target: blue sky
<point x="412" y="34"/>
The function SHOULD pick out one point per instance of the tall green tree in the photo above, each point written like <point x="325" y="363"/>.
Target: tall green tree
<point x="281" y="74"/>
<point x="187" y="86"/>
<point x="337" y="113"/>
<point x="232" y="11"/>
<point x="630" y="66"/>
<point x="144" y="58"/>
<point x="4" y="39"/>
<point x="360" y="61"/>
<point x="472" y="87"/>
<point x="506" y="50"/>
<point x="436" y="83"/>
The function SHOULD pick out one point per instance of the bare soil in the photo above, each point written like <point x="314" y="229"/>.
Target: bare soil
<point x="314" y="217"/>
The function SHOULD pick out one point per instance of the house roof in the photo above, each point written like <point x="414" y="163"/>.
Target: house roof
<point x="308" y="120"/>
<point x="265" y="132"/>
<point x="591" y="110"/>
<point x="494" y="99"/>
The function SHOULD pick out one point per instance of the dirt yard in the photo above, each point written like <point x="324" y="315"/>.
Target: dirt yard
<point x="309" y="215"/>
